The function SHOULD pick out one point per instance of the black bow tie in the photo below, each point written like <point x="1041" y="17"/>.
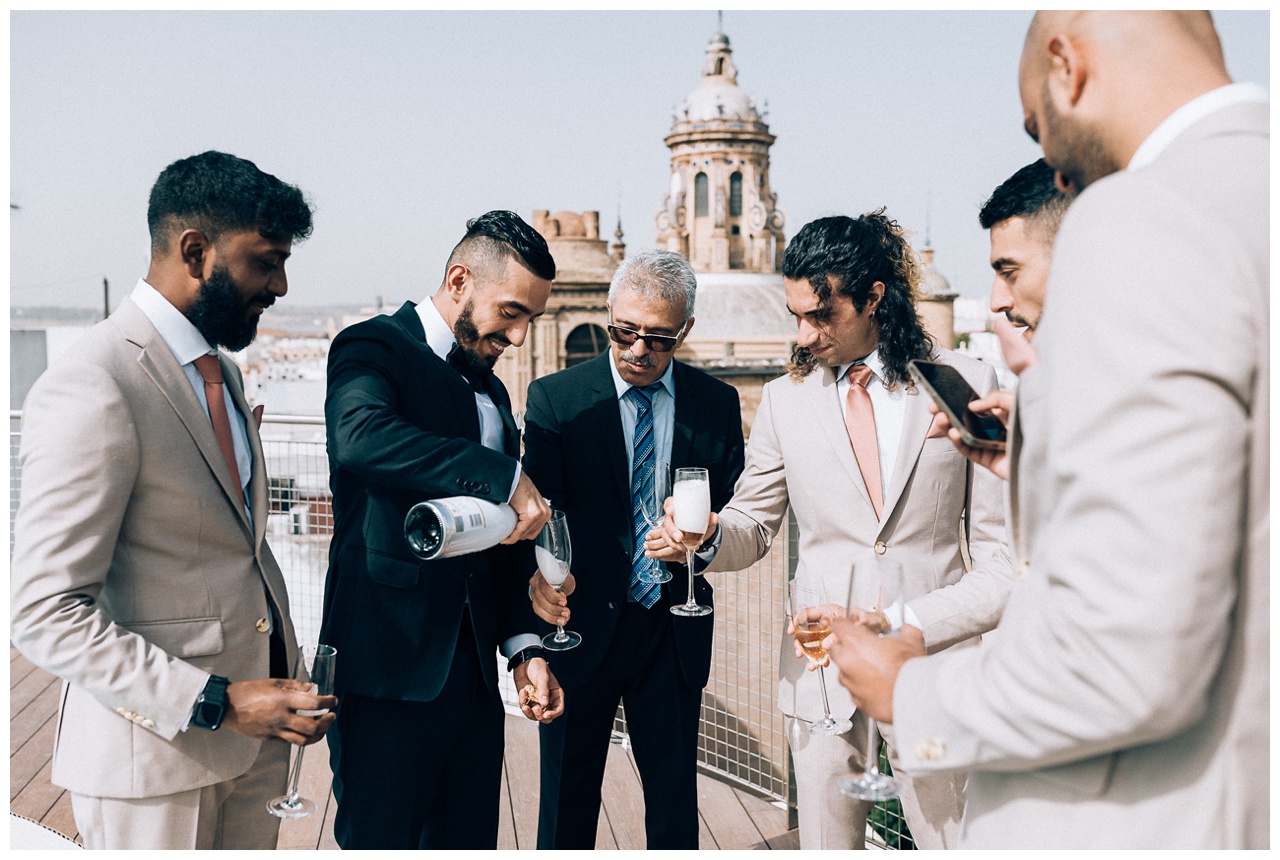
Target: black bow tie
<point x="477" y="379"/>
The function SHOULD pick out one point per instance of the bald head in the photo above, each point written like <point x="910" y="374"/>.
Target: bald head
<point x="1094" y="85"/>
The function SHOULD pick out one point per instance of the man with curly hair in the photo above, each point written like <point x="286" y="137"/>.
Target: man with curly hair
<point x="847" y="441"/>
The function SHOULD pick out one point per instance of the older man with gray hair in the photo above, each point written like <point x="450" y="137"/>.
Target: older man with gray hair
<point x="595" y="436"/>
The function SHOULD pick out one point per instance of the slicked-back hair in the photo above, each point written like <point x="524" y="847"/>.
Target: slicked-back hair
<point x="497" y="236"/>
<point x="664" y="274"/>
<point x="1032" y="194"/>
<point x="848" y="255"/>
<point x="214" y="192"/>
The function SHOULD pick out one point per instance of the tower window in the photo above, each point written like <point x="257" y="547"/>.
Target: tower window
<point x="735" y="195"/>
<point x="700" y="195"/>
<point x="584" y="343"/>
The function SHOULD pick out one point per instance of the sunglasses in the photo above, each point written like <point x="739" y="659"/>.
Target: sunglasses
<point x="655" y="342"/>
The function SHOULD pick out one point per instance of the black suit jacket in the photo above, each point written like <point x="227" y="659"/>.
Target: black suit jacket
<point x="402" y="428"/>
<point x="575" y="453"/>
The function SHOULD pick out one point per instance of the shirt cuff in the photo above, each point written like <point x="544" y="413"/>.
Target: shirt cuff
<point x="518" y="643"/>
<point x="707" y="552"/>
<point x="515" y="482"/>
<point x="191" y="713"/>
<point x="909" y="617"/>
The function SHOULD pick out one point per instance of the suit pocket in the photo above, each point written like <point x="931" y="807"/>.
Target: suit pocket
<point x="390" y="570"/>
<point x="183" y="638"/>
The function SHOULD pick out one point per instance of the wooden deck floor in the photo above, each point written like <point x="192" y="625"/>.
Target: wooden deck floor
<point x="730" y="818"/>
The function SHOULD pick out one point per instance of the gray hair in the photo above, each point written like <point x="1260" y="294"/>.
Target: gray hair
<point x="657" y="274"/>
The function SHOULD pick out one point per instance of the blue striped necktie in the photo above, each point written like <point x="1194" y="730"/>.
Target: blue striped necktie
<point x="643" y="463"/>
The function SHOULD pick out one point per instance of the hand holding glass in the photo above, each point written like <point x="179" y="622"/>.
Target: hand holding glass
<point x="554" y="554"/>
<point x="651" y="507"/>
<point x="692" y="506"/>
<point x="289" y="805"/>
<point x="871" y="784"/>
<point x="810" y="631"/>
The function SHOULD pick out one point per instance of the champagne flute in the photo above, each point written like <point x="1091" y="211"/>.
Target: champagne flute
<point x="290" y="805"/>
<point x="555" y="554"/>
<point x="692" y="493"/>
<point x="871" y="784"/>
<point x="809" y="633"/>
<point x="651" y="507"/>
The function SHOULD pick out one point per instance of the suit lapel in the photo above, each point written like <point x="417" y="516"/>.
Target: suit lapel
<point x="158" y="363"/>
<point x="460" y="392"/>
<point x="258" y="472"/>
<point x="916" y="421"/>
<point x="686" y="417"/>
<point x="606" y="416"/>
<point x="828" y="412"/>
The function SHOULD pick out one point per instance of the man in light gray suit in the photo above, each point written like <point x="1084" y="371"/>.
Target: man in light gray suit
<point x="1125" y="699"/>
<point x="883" y="483"/>
<point x="141" y="575"/>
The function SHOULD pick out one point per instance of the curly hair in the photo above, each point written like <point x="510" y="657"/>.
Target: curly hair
<point x="214" y="192"/>
<point x="848" y="255"/>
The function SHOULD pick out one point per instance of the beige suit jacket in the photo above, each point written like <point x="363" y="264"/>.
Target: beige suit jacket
<point x="135" y="570"/>
<point x="1125" y="700"/>
<point x="799" y="454"/>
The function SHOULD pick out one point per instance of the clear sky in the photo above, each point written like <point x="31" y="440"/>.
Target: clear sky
<point x="402" y="125"/>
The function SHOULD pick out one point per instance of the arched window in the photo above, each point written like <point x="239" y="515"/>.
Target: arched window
<point x="584" y="343"/>
<point x="700" y="195"/>
<point x="735" y="195"/>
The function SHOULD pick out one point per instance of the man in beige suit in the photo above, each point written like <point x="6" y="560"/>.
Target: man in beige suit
<point x="1125" y="701"/>
<point x="141" y="576"/>
<point x="911" y="498"/>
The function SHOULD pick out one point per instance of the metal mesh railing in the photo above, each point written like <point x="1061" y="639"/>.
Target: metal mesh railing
<point x="742" y="738"/>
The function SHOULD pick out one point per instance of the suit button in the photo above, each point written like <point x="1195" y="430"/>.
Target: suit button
<point x="930" y="750"/>
<point x="613" y="605"/>
<point x="881" y="547"/>
<point x="461" y="483"/>
<point x="484" y="488"/>
<point x="1024" y="570"/>
<point x="148" y="723"/>
<point x="262" y="624"/>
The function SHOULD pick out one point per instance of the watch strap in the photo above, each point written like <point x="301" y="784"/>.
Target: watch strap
<point x="524" y="655"/>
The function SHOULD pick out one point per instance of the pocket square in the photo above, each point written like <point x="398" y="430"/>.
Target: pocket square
<point x="936" y="429"/>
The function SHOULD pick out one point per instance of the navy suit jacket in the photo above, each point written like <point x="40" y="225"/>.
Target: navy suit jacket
<point x="576" y="454"/>
<point x="403" y="428"/>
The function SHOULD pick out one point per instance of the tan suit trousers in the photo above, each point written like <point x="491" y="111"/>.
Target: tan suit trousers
<point x="830" y="820"/>
<point x="231" y="814"/>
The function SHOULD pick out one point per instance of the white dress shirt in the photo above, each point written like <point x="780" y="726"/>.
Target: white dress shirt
<point x="663" y="411"/>
<point x="889" y="407"/>
<point x="441" y="340"/>
<point x="187" y="344"/>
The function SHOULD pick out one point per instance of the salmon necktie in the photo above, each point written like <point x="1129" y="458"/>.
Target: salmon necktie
<point x="210" y="370"/>
<point x="860" y="421"/>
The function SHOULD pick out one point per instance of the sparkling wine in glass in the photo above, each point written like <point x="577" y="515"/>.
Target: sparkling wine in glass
<point x="320" y="662"/>
<point x="871" y="784"/>
<point x="651" y="507"/>
<point x="692" y="502"/>
<point x="811" y="612"/>
<point x="554" y="554"/>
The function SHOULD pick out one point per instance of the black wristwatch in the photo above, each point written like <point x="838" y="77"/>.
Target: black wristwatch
<point x="524" y="655"/>
<point x="211" y="706"/>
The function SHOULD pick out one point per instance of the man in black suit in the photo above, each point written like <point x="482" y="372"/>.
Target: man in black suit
<point x="414" y="412"/>
<point x="594" y="434"/>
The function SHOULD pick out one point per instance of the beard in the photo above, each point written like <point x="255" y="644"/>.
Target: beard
<point x="468" y="337"/>
<point x="221" y="314"/>
<point x="1080" y="156"/>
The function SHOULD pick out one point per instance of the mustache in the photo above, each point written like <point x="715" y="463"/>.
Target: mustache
<point x="642" y="360"/>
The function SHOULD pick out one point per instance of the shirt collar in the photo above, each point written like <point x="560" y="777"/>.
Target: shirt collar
<point x="666" y="380"/>
<point x="439" y="336"/>
<point x="1190" y="114"/>
<point x="183" y="339"/>
<point x="872" y="361"/>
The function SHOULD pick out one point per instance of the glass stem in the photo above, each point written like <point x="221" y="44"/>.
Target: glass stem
<point x="826" y="707"/>
<point x="293" y="778"/>
<point x="873" y="750"/>
<point x="560" y="637"/>
<point x="691" y="603"/>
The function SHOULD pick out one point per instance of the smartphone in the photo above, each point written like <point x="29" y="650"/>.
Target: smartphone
<point x="953" y="394"/>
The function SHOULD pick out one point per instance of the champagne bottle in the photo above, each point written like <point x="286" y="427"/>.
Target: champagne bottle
<point x="441" y="528"/>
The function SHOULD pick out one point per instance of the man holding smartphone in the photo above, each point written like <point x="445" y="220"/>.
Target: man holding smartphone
<point x="846" y="440"/>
